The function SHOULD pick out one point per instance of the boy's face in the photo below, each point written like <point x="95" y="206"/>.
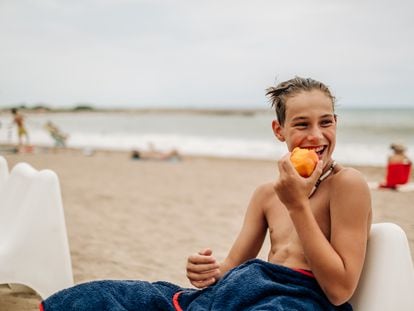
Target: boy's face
<point x="310" y="123"/>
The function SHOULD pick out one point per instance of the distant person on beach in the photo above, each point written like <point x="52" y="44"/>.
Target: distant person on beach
<point x="58" y="136"/>
<point x="153" y="154"/>
<point x="398" y="155"/>
<point x="18" y="120"/>
<point x="398" y="167"/>
<point x="318" y="228"/>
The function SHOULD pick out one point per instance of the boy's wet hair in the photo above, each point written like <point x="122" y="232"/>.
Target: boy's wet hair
<point x="280" y="93"/>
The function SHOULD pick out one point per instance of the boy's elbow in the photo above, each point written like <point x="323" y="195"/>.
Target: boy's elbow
<point x="339" y="294"/>
<point x="338" y="300"/>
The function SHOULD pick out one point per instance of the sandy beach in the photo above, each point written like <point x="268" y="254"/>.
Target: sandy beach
<point x="131" y="219"/>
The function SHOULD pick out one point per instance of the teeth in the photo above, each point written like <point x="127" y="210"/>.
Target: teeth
<point x="317" y="149"/>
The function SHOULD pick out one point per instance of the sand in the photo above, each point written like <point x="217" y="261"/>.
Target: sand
<point x="131" y="219"/>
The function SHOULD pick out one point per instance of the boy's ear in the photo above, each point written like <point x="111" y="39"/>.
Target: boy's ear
<point x="278" y="130"/>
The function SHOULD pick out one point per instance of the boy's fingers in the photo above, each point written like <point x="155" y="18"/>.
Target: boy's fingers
<point x="203" y="284"/>
<point x="317" y="172"/>
<point x="286" y="165"/>
<point x="281" y="165"/>
<point x="205" y="252"/>
<point x="202" y="276"/>
<point x="200" y="259"/>
<point x="202" y="268"/>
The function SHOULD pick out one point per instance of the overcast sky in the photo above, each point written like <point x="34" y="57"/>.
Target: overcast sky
<point x="209" y="53"/>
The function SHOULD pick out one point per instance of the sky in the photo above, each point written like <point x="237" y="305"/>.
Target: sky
<point x="203" y="54"/>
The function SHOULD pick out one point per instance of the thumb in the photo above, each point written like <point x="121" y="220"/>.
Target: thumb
<point x="317" y="172"/>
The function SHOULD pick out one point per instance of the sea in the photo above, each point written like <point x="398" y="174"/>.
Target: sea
<point x="363" y="135"/>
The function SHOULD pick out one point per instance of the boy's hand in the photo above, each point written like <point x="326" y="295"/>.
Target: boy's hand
<point x="291" y="188"/>
<point x="202" y="269"/>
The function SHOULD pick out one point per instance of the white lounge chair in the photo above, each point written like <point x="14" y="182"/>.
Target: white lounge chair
<point x="4" y="171"/>
<point x="387" y="280"/>
<point x="34" y="248"/>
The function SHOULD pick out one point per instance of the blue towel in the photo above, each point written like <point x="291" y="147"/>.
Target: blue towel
<point x="254" y="285"/>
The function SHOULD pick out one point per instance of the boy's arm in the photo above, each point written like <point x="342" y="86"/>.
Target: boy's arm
<point x="252" y="234"/>
<point x="336" y="263"/>
<point x="203" y="269"/>
<point x="351" y="218"/>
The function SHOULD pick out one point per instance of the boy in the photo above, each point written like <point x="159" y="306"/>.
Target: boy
<point x="318" y="229"/>
<point x="326" y="232"/>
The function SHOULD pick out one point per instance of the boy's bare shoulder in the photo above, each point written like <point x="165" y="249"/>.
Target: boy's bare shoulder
<point x="264" y="193"/>
<point x="349" y="184"/>
<point x="265" y="189"/>
<point x="348" y="176"/>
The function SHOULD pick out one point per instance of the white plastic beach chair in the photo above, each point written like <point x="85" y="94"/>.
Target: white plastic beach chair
<point x="4" y="171"/>
<point x="34" y="248"/>
<point x="387" y="280"/>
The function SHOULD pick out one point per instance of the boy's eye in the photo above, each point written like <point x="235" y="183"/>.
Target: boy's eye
<point x="326" y="122"/>
<point x="301" y="125"/>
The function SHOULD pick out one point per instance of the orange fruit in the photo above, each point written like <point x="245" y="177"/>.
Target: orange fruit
<point x="304" y="161"/>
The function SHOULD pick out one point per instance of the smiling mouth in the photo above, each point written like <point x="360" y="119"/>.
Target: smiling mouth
<point x="319" y="150"/>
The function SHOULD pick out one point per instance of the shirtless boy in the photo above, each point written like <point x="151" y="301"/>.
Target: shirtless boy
<point x="318" y="238"/>
<point x="325" y="232"/>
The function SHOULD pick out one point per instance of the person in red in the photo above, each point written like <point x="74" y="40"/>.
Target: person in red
<point x="398" y="167"/>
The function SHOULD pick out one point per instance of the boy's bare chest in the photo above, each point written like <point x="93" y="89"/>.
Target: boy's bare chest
<point x="281" y="228"/>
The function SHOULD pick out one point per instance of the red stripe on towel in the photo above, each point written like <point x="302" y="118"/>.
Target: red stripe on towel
<point x="305" y="272"/>
<point x="175" y="301"/>
<point x="41" y="307"/>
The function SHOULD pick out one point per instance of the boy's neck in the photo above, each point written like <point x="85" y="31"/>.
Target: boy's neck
<point x="325" y="174"/>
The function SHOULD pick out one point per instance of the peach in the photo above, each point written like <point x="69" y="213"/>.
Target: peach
<point x="304" y="161"/>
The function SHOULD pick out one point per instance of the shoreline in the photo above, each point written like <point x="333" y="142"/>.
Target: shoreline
<point x="91" y="108"/>
<point x="10" y="149"/>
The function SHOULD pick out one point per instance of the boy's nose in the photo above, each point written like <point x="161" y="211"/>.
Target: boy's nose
<point x="315" y="135"/>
